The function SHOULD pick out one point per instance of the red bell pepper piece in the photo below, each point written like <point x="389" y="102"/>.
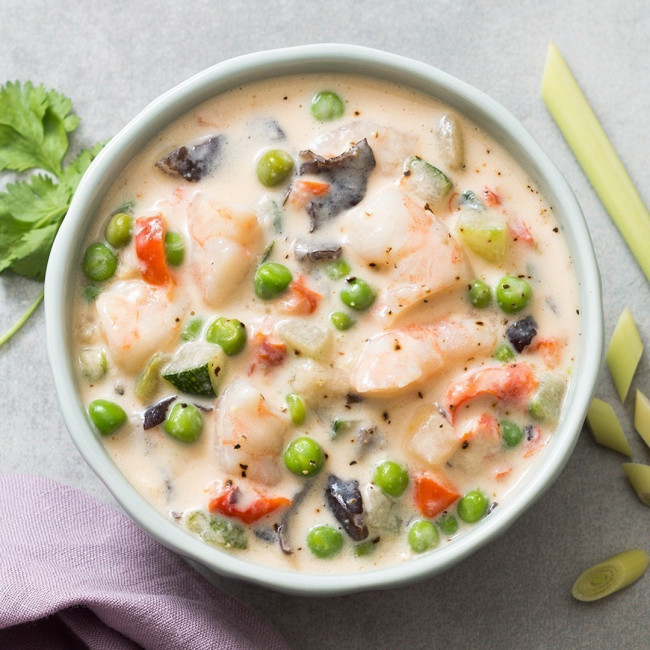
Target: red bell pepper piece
<point x="231" y="503"/>
<point x="150" y="249"/>
<point x="433" y="493"/>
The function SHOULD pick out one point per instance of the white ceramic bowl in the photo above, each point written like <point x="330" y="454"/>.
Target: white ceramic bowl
<point x="484" y="111"/>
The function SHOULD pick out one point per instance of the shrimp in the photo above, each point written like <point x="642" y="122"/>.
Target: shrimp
<point x="406" y="243"/>
<point x="513" y="383"/>
<point x="249" y="434"/>
<point x="390" y="146"/>
<point x="226" y="241"/>
<point x="404" y="358"/>
<point x="138" y="319"/>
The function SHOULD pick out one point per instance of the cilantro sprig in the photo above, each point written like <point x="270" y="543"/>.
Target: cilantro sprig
<point x="35" y="129"/>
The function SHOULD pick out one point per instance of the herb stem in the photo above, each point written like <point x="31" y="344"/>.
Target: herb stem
<point x="23" y="319"/>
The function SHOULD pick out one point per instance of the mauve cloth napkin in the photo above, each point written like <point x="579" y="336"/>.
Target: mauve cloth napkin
<point x="76" y="573"/>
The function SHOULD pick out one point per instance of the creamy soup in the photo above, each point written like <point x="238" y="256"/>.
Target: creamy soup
<point x="325" y="323"/>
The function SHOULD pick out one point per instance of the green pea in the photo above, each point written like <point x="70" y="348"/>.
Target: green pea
<point x="422" y="536"/>
<point x="274" y="167"/>
<point x="118" y="230"/>
<point x="271" y="280"/>
<point x="174" y="248"/>
<point x="297" y="408"/>
<point x="391" y="478"/>
<point x="90" y="292"/>
<point x="504" y="353"/>
<point x="336" y="269"/>
<point x="192" y="329"/>
<point x="513" y="294"/>
<point x="107" y="416"/>
<point x="341" y="320"/>
<point x="99" y="262"/>
<point x="358" y="294"/>
<point x="448" y="524"/>
<point x="327" y="105"/>
<point x="229" y="333"/>
<point x="365" y="548"/>
<point x="304" y="457"/>
<point x="184" y="422"/>
<point x="511" y="433"/>
<point x="324" y="541"/>
<point x="479" y="294"/>
<point x="472" y="506"/>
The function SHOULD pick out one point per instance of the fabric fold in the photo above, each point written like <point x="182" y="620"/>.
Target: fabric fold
<point x="75" y="572"/>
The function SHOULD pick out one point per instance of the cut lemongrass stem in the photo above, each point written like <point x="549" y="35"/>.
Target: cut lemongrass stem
<point x="610" y="575"/>
<point x="606" y="427"/>
<point x="642" y="416"/>
<point x="595" y="154"/>
<point x="638" y="475"/>
<point x="22" y="320"/>
<point x="624" y="353"/>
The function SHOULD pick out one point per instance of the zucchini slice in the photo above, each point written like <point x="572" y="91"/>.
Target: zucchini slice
<point x="196" y="369"/>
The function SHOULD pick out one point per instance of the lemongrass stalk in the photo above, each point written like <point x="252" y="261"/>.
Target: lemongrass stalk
<point x="624" y="352"/>
<point x="638" y="475"/>
<point x="606" y="427"/>
<point x="610" y="575"/>
<point x="642" y="416"/>
<point x="596" y="156"/>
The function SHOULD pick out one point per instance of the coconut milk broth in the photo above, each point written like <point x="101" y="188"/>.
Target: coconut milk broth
<point x="174" y="476"/>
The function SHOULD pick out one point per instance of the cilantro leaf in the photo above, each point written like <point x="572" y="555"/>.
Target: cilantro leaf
<point x="30" y="215"/>
<point x="34" y="127"/>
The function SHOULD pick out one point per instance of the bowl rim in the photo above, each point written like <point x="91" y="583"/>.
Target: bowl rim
<point x="485" y="111"/>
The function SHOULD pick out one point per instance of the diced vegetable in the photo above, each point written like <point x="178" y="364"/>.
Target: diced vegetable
<point x="217" y="531"/>
<point x="93" y="363"/>
<point x="150" y="249"/>
<point x="425" y="181"/>
<point x="433" y="494"/>
<point x="196" y="368"/>
<point x="547" y="401"/>
<point x="303" y="336"/>
<point x="231" y="503"/>
<point x="450" y="141"/>
<point x="596" y="156"/>
<point x="345" y="501"/>
<point x="149" y="380"/>
<point x="193" y="162"/>
<point x="624" y="352"/>
<point x="642" y="416"/>
<point x="606" y="428"/>
<point x="639" y="477"/>
<point x="610" y="575"/>
<point x="484" y="232"/>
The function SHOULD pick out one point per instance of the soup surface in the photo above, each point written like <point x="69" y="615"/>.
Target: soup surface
<point x="325" y="323"/>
